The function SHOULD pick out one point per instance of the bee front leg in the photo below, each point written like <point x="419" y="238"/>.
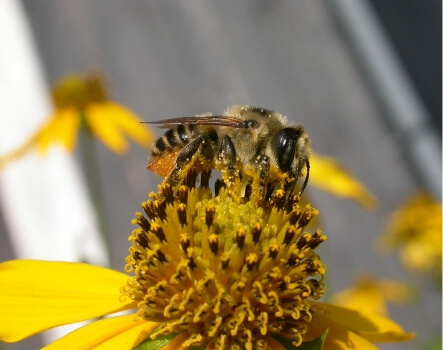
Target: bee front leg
<point x="227" y="164"/>
<point x="262" y="165"/>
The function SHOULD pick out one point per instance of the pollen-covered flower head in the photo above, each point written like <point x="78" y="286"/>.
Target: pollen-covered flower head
<point x="222" y="270"/>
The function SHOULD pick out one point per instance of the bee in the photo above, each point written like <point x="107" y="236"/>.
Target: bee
<point x="243" y="137"/>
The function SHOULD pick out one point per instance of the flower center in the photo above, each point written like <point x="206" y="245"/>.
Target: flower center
<point x="78" y="91"/>
<point x="227" y="273"/>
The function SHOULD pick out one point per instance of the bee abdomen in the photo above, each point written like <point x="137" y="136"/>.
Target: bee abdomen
<point x="174" y="138"/>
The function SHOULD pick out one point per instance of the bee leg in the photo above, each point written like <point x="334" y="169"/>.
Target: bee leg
<point x="262" y="165"/>
<point x="226" y="153"/>
<point x="186" y="158"/>
<point x="227" y="158"/>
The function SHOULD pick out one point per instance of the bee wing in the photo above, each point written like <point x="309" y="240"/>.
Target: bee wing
<point x="203" y="120"/>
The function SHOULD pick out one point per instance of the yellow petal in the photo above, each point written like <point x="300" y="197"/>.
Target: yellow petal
<point x="369" y="294"/>
<point x="62" y="127"/>
<point x="121" y="332"/>
<point x="339" y="337"/>
<point x="38" y="295"/>
<point x="366" y="296"/>
<point x="103" y="129"/>
<point x="128" y="122"/>
<point x="19" y="152"/>
<point x="68" y="128"/>
<point x="326" y="173"/>
<point x="371" y="326"/>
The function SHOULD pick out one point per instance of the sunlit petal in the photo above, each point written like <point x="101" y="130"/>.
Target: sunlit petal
<point x="69" y="125"/>
<point x="339" y="337"/>
<point x="128" y="122"/>
<point x="121" y="332"/>
<point x="55" y="293"/>
<point x="104" y="129"/>
<point x="62" y="128"/>
<point x="364" y="296"/>
<point x="369" y="294"/>
<point x="329" y="175"/>
<point x="371" y="326"/>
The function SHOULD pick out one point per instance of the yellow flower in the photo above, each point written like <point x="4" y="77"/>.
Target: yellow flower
<point x="82" y="101"/>
<point x="221" y="273"/>
<point x="372" y="295"/>
<point x="329" y="175"/>
<point x="415" y="231"/>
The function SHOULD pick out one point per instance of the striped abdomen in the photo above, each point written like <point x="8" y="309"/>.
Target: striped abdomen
<point x="173" y="139"/>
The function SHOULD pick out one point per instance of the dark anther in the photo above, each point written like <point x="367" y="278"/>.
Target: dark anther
<point x="159" y="207"/>
<point x="137" y="256"/>
<point x="143" y="239"/>
<point x="181" y="211"/>
<point x="304" y="241"/>
<point x="166" y="189"/>
<point x="191" y="263"/>
<point x="240" y="238"/>
<point x="279" y="199"/>
<point x="312" y="268"/>
<point x="305" y="218"/>
<point x="213" y="243"/>
<point x="256" y="231"/>
<point x="293" y="260"/>
<point x="183" y="194"/>
<point x="225" y="263"/>
<point x="289" y="235"/>
<point x="157" y="230"/>
<point x="317" y="238"/>
<point x="160" y="256"/>
<point x="251" y="261"/>
<point x="273" y="251"/>
<point x="210" y="213"/>
<point x="143" y="222"/>
<point x="148" y="208"/>
<point x="185" y="242"/>
<point x="295" y="216"/>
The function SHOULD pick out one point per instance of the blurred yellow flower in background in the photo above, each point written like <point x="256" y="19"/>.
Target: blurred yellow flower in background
<point x="329" y="175"/>
<point x="415" y="231"/>
<point x="369" y="294"/>
<point x="82" y="101"/>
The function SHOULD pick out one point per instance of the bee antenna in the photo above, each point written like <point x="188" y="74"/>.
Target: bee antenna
<point x="308" y="166"/>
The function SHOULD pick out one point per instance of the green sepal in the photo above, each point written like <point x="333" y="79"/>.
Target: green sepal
<point x="157" y="343"/>
<point x="316" y="344"/>
<point x="160" y="342"/>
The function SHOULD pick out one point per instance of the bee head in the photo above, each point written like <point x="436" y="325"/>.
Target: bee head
<point x="291" y="149"/>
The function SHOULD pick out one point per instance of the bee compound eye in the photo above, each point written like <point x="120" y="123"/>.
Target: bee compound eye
<point x="284" y="146"/>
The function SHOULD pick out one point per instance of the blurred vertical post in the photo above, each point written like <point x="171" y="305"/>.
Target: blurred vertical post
<point x="402" y="106"/>
<point x="44" y="201"/>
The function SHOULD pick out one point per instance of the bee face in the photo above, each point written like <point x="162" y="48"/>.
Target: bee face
<point x="235" y="140"/>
